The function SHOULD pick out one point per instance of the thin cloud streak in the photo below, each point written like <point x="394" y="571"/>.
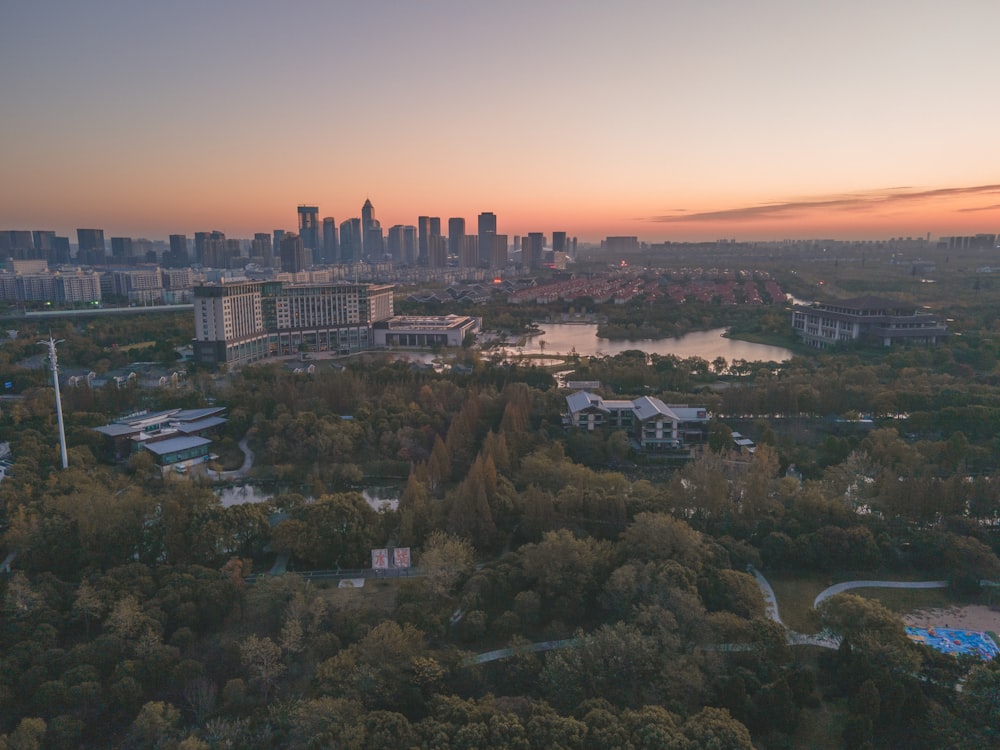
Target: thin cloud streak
<point x="864" y="202"/>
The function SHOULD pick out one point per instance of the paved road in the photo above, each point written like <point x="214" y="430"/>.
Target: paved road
<point x="770" y="600"/>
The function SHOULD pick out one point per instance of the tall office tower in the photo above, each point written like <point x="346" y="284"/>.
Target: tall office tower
<point x="346" y="242"/>
<point x="531" y="253"/>
<point x="121" y="250"/>
<point x="367" y="221"/>
<point x="309" y="227"/>
<point x="487" y="231"/>
<point x="21" y="239"/>
<point x="367" y="214"/>
<point x="260" y="249"/>
<point x="517" y="243"/>
<point x="59" y="254"/>
<point x="437" y="251"/>
<point x="331" y="253"/>
<point x="292" y="254"/>
<point x="91" y="246"/>
<point x="358" y="240"/>
<point x="43" y="240"/>
<point x="423" y="232"/>
<point x="456" y="238"/>
<point x="394" y="244"/>
<point x="177" y="256"/>
<point x="410" y="245"/>
<point x="278" y="235"/>
<point x="558" y="242"/>
<point x="374" y="241"/>
<point x="469" y="256"/>
<point x="574" y="247"/>
<point x="435" y="226"/>
<point x="498" y="259"/>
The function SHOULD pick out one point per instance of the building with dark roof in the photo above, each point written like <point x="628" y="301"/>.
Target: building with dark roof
<point x="873" y="319"/>
<point x="652" y="424"/>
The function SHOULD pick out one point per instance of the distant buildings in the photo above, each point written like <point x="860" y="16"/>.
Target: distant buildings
<point x="873" y="319"/>
<point x="487" y="239"/>
<point x="425" y="331"/>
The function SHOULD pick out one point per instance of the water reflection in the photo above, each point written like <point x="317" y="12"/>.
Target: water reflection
<point x="565" y="338"/>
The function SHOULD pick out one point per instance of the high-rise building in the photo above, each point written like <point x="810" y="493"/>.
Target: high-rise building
<point x="277" y="235"/>
<point x="410" y="245"/>
<point x="469" y="257"/>
<point x="177" y="256"/>
<point x="456" y="238"/>
<point x="91" y="250"/>
<point x="532" y="247"/>
<point x="423" y="232"/>
<point x="559" y="242"/>
<point x="260" y="249"/>
<point x="498" y="259"/>
<point x="374" y="241"/>
<point x="394" y="244"/>
<point x="292" y="253"/>
<point x="367" y="222"/>
<point x="309" y="228"/>
<point x="437" y="251"/>
<point x="487" y="232"/>
<point x="350" y="241"/>
<point x="435" y="226"/>
<point x="331" y="253"/>
<point x="121" y="250"/>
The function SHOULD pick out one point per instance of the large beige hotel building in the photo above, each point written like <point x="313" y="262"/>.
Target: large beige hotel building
<point x="240" y="322"/>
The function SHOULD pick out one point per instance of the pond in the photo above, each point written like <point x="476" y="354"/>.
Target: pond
<point x="564" y="338"/>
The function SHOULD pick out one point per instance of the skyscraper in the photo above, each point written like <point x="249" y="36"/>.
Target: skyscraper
<point x="367" y="221"/>
<point x="531" y="254"/>
<point x="177" y="256"/>
<point x="498" y="259"/>
<point x="121" y="249"/>
<point x="260" y="249"/>
<point x="331" y="253"/>
<point x="350" y="241"/>
<point x="423" y="232"/>
<point x="91" y="246"/>
<point x="456" y="238"/>
<point x="410" y="244"/>
<point x="279" y="235"/>
<point x="292" y="253"/>
<point x="487" y="232"/>
<point x="558" y="242"/>
<point x="309" y="228"/>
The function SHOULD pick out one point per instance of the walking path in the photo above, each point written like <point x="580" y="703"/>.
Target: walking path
<point x="236" y="473"/>
<point x="838" y="588"/>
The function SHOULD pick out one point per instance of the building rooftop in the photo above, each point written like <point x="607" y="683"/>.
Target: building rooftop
<point x="163" y="447"/>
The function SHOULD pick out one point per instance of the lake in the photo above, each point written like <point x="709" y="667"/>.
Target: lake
<point x="563" y="338"/>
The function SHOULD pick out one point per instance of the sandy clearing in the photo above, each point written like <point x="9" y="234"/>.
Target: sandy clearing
<point x="970" y="617"/>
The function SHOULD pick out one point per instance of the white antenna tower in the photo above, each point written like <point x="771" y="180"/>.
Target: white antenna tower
<point x="51" y="343"/>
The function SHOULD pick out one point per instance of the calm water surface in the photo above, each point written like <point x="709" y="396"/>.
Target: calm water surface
<point x="563" y="338"/>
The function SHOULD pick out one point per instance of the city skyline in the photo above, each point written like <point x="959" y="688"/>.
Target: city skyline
<point x="669" y="121"/>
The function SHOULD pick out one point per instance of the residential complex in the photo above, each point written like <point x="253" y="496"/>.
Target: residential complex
<point x="873" y="319"/>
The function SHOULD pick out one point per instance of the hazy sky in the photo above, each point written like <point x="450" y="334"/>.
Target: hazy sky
<point x="667" y="119"/>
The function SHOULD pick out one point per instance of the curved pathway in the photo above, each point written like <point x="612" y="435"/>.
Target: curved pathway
<point x="838" y="588"/>
<point x="823" y="639"/>
<point x="240" y="472"/>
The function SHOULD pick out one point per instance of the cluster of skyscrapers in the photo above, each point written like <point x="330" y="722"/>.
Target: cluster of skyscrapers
<point x="317" y="242"/>
<point x="422" y="245"/>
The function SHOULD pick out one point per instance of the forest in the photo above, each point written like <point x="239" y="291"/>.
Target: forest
<point x="138" y="612"/>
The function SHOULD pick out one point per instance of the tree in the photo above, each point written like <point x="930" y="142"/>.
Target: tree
<point x="444" y="561"/>
<point x="261" y="658"/>
<point x="715" y="728"/>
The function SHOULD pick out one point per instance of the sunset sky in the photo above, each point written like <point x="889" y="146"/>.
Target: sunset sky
<point x="666" y="119"/>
